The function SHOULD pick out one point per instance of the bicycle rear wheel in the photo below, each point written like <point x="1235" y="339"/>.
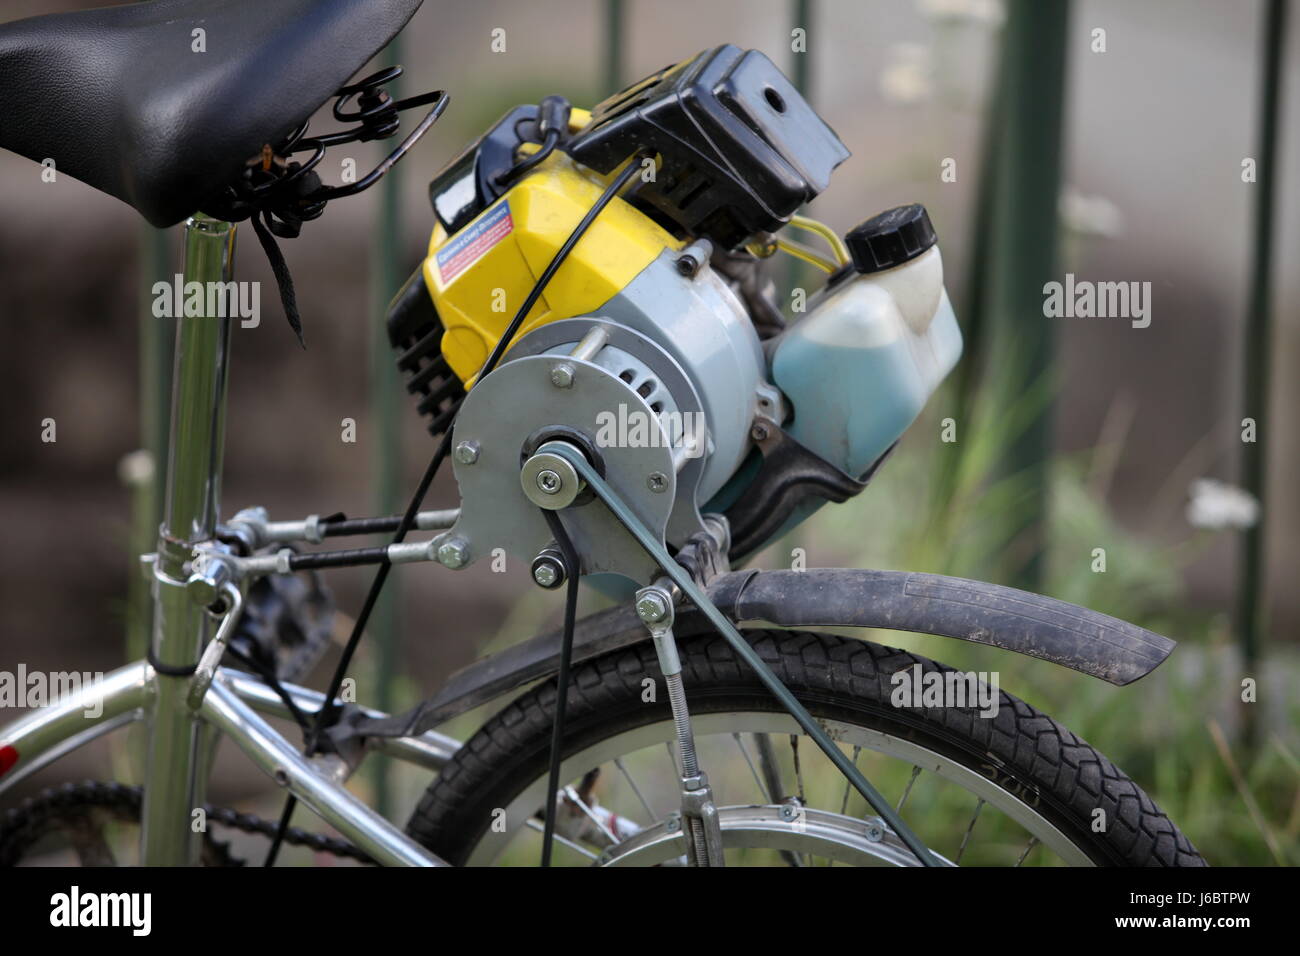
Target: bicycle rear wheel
<point x="1012" y="788"/>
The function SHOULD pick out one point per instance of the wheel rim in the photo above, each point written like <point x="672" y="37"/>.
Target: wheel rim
<point x="745" y="824"/>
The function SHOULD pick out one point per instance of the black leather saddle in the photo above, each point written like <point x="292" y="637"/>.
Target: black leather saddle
<point x="122" y="98"/>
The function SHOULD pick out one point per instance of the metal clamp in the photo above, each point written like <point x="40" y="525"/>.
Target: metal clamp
<point x="216" y="649"/>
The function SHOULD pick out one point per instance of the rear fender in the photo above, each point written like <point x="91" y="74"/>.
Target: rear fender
<point x="1030" y="624"/>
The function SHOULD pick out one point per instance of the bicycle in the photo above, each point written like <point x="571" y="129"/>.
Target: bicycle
<point x="680" y="185"/>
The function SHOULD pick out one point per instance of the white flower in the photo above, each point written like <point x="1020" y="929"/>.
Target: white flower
<point x="905" y="77"/>
<point x="1090" y="215"/>
<point x="975" y="11"/>
<point x="1215" y="506"/>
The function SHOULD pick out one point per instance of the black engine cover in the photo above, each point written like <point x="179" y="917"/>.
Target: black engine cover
<point x="742" y="150"/>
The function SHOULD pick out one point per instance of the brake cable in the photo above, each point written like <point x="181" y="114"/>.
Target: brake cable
<point x="328" y="711"/>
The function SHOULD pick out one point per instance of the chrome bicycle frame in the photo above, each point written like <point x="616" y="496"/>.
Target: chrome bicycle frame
<point x="183" y="727"/>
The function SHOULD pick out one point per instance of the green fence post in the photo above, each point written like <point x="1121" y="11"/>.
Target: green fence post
<point x="800" y="19"/>
<point x="1024" y="234"/>
<point x="143" y="471"/>
<point x="963" y="384"/>
<point x="613" y="60"/>
<point x="1250" y="611"/>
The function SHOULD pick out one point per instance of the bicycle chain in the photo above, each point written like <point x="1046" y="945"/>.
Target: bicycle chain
<point x="22" y="825"/>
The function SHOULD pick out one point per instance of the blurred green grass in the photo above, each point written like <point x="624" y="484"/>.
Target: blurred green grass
<point x="1179" y="732"/>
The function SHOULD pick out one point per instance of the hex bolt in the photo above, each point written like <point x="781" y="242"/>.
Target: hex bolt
<point x="657" y="482"/>
<point x="547" y="574"/>
<point x="562" y="375"/>
<point x="453" y="553"/>
<point x="467" y="452"/>
<point x="549" y="482"/>
<point x="652" y="608"/>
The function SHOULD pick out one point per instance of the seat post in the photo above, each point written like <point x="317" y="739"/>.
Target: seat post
<point x="173" y="775"/>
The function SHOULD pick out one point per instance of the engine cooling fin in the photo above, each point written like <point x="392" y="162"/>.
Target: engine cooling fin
<point x="415" y="332"/>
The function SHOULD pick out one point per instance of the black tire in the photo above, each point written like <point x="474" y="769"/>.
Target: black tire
<point x="838" y="678"/>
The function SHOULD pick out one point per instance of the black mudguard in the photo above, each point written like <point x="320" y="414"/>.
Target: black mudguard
<point x="1030" y="624"/>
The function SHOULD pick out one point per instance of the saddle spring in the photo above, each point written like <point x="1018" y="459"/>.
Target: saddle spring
<point x="280" y="193"/>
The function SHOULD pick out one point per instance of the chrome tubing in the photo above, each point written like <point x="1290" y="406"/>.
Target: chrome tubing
<point x="44" y="734"/>
<point x="326" y="796"/>
<point x="189" y="517"/>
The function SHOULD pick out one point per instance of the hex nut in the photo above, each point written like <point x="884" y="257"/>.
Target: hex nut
<point x="467" y="452"/>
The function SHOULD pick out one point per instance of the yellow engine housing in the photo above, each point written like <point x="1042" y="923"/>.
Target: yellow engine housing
<point x="480" y="276"/>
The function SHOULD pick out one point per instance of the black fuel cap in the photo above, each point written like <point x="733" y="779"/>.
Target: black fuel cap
<point x="890" y="238"/>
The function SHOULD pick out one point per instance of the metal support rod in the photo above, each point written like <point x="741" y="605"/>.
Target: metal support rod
<point x="654" y="605"/>
<point x="257" y="530"/>
<point x="597" y="338"/>
<point x="180" y="625"/>
<point x="439" y="520"/>
<point x="739" y="645"/>
<point x="286" y="561"/>
<point x="1258" y="349"/>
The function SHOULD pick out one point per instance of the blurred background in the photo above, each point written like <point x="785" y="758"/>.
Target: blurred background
<point x="1039" y="145"/>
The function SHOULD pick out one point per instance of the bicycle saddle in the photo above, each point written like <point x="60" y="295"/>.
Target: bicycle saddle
<point x="122" y="99"/>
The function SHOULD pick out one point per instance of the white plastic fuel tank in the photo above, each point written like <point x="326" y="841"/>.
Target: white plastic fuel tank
<point x="860" y="366"/>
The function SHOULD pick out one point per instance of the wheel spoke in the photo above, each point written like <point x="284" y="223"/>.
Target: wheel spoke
<point x="618" y="762"/>
<point x="534" y="824"/>
<point x="672" y="758"/>
<point x="775" y="787"/>
<point x="1033" y="842"/>
<point x="573" y="797"/>
<point x="971" y="826"/>
<point x="798" y="771"/>
<point x="844" y="803"/>
<point x="916" y="772"/>
<point x="771" y="769"/>
<point x="758" y="781"/>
